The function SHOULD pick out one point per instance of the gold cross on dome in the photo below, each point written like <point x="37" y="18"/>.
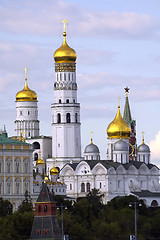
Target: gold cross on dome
<point x="91" y="137"/>
<point x="119" y="101"/>
<point x="25" y="70"/>
<point x="143" y="137"/>
<point x="64" y="22"/>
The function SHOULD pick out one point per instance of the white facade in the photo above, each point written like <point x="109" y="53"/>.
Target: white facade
<point x="111" y="143"/>
<point x="112" y="179"/>
<point x="42" y="145"/>
<point x="66" y="135"/>
<point x="26" y="123"/>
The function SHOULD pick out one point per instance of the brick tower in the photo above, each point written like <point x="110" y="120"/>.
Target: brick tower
<point x="45" y="225"/>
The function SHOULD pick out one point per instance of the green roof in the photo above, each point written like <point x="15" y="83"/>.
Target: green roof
<point x="127" y="113"/>
<point x="4" y="139"/>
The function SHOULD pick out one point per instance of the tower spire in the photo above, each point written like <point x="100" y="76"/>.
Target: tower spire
<point x="25" y="70"/>
<point x="127" y="113"/>
<point x="91" y="138"/>
<point x="142" y="137"/>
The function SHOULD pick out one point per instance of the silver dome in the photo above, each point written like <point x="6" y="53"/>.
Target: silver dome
<point x="143" y="148"/>
<point x="121" y="145"/>
<point x="91" y="148"/>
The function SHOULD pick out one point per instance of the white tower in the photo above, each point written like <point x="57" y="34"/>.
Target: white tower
<point x="26" y="123"/>
<point x="66" y="139"/>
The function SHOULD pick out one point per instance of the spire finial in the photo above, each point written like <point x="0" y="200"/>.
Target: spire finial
<point x="39" y="154"/>
<point x="54" y="160"/>
<point x="64" y="22"/>
<point x="126" y="91"/>
<point x="119" y="102"/>
<point x="142" y="137"/>
<point x="91" y="138"/>
<point x="23" y="136"/>
<point x="25" y="70"/>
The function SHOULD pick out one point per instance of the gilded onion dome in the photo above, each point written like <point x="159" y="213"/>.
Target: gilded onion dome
<point x="54" y="170"/>
<point x="39" y="161"/>
<point x="26" y="94"/>
<point x="65" y="54"/>
<point x="118" y="127"/>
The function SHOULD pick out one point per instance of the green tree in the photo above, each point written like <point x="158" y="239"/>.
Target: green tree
<point x="5" y="207"/>
<point x="26" y="205"/>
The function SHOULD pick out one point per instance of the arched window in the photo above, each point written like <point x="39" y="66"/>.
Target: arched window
<point x="100" y="185"/>
<point x="88" y="187"/>
<point x="82" y="187"/>
<point x="60" y="101"/>
<point x="36" y="145"/>
<point x="45" y="208"/>
<point x="39" y="208"/>
<point x="143" y="158"/>
<point x="58" y="118"/>
<point x="68" y="118"/>
<point x="17" y="167"/>
<point x="69" y="76"/>
<point x="76" y="117"/>
<point x="64" y="76"/>
<point x="35" y="156"/>
<point x="154" y="203"/>
<point x="67" y="101"/>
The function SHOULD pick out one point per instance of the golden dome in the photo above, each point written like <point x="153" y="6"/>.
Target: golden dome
<point x="39" y="161"/>
<point x="26" y="94"/>
<point x="118" y="127"/>
<point x="65" y="54"/>
<point x="54" y="170"/>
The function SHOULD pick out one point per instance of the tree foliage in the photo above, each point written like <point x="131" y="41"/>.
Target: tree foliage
<point x="86" y="219"/>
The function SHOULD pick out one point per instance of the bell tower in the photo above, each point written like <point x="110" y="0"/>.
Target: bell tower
<point x="66" y="139"/>
<point x="26" y="123"/>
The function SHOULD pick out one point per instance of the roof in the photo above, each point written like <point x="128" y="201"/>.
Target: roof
<point x="4" y="139"/>
<point x="146" y="193"/>
<point x="109" y="163"/>
<point x="127" y="113"/>
<point x="45" y="195"/>
<point x="40" y="137"/>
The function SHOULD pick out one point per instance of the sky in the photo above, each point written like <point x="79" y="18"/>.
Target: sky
<point x="117" y="45"/>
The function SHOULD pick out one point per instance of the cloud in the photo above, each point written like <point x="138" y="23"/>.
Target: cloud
<point x="94" y="56"/>
<point x="28" y="17"/>
<point x="155" y="149"/>
<point x="104" y="84"/>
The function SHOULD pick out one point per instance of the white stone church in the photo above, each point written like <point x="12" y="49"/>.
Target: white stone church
<point x="127" y="168"/>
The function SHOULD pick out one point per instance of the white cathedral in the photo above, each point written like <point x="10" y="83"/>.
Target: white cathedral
<point x="126" y="169"/>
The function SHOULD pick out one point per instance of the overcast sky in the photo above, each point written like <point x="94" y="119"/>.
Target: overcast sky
<point x="117" y="44"/>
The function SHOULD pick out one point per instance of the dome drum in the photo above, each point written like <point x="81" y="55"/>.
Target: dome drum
<point x="143" y="148"/>
<point x="121" y="146"/>
<point x="91" y="148"/>
<point x="65" y="67"/>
